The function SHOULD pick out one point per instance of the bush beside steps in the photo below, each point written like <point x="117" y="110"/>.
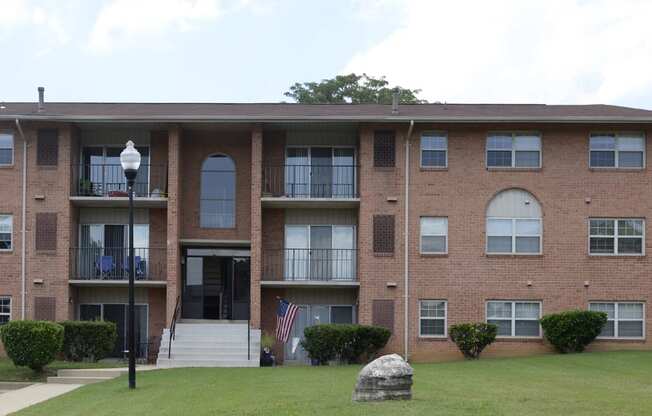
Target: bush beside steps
<point x="349" y="343"/>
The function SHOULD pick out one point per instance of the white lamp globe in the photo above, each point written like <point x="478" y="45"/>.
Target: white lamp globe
<point x="130" y="158"/>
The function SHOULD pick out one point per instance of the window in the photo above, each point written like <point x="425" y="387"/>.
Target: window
<point x="513" y="150"/>
<point x="6" y="230"/>
<point x="5" y="309"/>
<point x="514" y="223"/>
<point x="616" y="236"/>
<point x="47" y="147"/>
<point x="432" y="318"/>
<point x="434" y="150"/>
<point x="217" y="203"/>
<point x="6" y="149"/>
<point x="624" y="319"/>
<point x="384" y="149"/>
<point x="617" y="150"/>
<point x="342" y="315"/>
<point x="515" y="319"/>
<point x="434" y="235"/>
<point x="384" y="234"/>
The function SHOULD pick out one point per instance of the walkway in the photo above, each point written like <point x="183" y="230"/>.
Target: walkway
<point x="15" y="400"/>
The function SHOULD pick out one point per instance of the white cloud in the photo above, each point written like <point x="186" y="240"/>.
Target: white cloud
<point x="555" y="51"/>
<point x="23" y="13"/>
<point x="123" y="21"/>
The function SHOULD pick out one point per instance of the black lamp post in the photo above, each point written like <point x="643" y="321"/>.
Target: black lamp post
<point x="130" y="161"/>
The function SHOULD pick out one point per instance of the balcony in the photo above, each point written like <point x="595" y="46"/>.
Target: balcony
<point x="310" y="186"/>
<point x="310" y="267"/>
<point x="105" y="185"/>
<point x="107" y="266"/>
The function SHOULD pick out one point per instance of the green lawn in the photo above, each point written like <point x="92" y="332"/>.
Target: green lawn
<point x="9" y="372"/>
<point x="614" y="383"/>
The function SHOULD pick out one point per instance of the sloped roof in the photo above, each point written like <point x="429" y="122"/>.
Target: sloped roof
<point x="270" y="112"/>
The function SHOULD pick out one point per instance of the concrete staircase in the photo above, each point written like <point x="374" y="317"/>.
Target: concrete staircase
<point x="208" y="343"/>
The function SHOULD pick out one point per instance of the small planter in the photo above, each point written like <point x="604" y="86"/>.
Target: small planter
<point x="266" y="358"/>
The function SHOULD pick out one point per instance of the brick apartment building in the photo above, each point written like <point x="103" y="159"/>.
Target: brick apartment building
<point x="415" y="217"/>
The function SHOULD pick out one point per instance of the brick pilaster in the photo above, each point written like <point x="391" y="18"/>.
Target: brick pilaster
<point x="256" y="222"/>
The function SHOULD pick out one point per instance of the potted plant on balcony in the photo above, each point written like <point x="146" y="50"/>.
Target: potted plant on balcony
<point x="86" y="187"/>
<point x="267" y="359"/>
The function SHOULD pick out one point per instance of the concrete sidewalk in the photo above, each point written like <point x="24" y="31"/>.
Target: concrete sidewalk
<point x="15" y="400"/>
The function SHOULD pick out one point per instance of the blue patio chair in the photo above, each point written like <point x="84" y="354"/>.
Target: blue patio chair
<point x="105" y="265"/>
<point x="140" y="266"/>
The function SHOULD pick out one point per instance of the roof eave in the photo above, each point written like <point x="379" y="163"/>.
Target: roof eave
<point x="293" y="119"/>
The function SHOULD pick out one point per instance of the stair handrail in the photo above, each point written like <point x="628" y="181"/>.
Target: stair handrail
<point x="173" y="326"/>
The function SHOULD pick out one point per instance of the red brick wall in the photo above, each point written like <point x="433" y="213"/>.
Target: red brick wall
<point x="467" y="277"/>
<point x="197" y="146"/>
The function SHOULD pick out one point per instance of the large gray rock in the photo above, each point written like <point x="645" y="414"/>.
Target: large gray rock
<point x="386" y="378"/>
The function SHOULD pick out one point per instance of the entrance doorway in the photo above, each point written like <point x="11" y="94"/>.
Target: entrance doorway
<point x="215" y="284"/>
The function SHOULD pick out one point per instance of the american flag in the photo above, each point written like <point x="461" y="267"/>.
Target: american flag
<point x="285" y="316"/>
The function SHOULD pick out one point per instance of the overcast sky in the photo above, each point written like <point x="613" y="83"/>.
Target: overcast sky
<point x="566" y="51"/>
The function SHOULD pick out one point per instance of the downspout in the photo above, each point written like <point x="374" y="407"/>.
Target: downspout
<point x="406" y="291"/>
<point x="23" y="222"/>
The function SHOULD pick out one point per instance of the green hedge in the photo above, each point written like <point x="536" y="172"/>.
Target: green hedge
<point x="572" y="331"/>
<point x="350" y="343"/>
<point x="472" y="338"/>
<point x="32" y="344"/>
<point x="88" y="340"/>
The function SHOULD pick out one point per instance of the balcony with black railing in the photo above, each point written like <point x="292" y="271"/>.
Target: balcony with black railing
<point x="320" y="182"/>
<point x="112" y="263"/>
<point x="108" y="180"/>
<point x="310" y="265"/>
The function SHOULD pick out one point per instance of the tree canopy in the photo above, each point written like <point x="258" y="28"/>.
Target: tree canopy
<point x="351" y="88"/>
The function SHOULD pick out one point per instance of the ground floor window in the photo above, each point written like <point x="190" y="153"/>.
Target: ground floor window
<point x="5" y="309"/>
<point x="118" y="314"/>
<point x="624" y="319"/>
<point x="309" y="315"/>
<point x="515" y="318"/>
<point x="432" y="318"/>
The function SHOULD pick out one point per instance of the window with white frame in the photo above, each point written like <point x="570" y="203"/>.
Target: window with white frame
<point x="434" y="235"/>
<point x="624" y="319"/>
<point x="434" y="150"/>
<point x="5" y="309"/>
<point x="432" y="318"/>
<point x="6" y="149"/>
<point x="617" y="150"/>
<point x="514" y="223"/>
<point x="619" y="236"/>
<point x="6" y="231"/>
<point x="514" y="150"/>
<point x="515" y="318"/>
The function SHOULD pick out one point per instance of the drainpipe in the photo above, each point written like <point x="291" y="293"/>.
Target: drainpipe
<point x="23" y="222"/>
<point x="406" y="285"/>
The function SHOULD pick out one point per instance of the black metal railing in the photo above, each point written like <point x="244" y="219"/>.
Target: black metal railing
<point x="109" y="180"/>
<point x="173" y="325"/>
<point x="112" y="263"/>
<point x="310" y="264"/>
<point x="311" y="181"/>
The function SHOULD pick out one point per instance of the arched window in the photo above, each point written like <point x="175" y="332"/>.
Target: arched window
<point x="514" y="223"/>
<point x="217" y="200"/>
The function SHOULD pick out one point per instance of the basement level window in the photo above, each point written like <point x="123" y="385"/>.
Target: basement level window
<point x="625" y="320"/>
<point x="5" y="309"/>
<point x="6" y="149"/>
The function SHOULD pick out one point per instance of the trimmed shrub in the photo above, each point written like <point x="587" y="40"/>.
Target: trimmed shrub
<point x="349" y="343"/>
<point x="88" y="340"/>
<point x="572" y="331"/>
<point x="472" y="338"/>
<point x="32" y="344"/>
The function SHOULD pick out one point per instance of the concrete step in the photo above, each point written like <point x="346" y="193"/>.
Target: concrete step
<point x="166" y="363"/>
<point x="93" y="372"/>
<point x="77" y="380"/>
<point x="209" y="356"/>
<point x="233" y="349"/>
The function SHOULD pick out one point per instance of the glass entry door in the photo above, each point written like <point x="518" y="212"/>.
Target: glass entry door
<point x="215" y="287"/>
